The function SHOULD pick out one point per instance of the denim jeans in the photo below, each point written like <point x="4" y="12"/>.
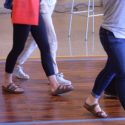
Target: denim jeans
<point x="115" y="66"/>
<point x="111" y="88"/>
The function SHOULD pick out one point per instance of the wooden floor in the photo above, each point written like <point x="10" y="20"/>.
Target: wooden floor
<point x="37" y="106"/>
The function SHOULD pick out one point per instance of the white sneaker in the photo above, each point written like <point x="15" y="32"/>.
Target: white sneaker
<point x="61" y="80"/>
<point x="20" y="74"/>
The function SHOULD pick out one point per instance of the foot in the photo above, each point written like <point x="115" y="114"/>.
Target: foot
<point x="61" y="89"/>
<point x="12" y="88"/>
<point x="96" y="110"/>
<point x="61" y="80"/>
<point x="110" y="95"/>
<point x="20" y="74"/>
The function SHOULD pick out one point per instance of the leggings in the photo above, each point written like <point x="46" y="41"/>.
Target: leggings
<point x="20" y="34"/>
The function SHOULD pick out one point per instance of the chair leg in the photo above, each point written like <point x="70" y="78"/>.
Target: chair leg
<point x="89" y="11"/>
<point x="71" y="16"/>
<point x="87" y="21"/>
<point x="93" y="18"/>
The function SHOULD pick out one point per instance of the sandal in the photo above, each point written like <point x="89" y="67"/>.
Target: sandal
<point x="12" y="88"/>
<point x="62" y="89"/>
<point x="91" y="108"/>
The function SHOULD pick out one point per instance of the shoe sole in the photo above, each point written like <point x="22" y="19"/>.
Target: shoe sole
<point x="4" y="89"/>
<point x="21" y="78"/>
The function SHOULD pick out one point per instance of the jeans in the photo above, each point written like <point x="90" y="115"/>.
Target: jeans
<point x="111" y="88"/>
<point x="115" y="66"/>
<point x="46" y="13"/>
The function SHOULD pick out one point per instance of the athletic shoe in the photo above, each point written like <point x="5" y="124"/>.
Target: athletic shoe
<point x="20" y="74"/>
<point x="61" y="80"/>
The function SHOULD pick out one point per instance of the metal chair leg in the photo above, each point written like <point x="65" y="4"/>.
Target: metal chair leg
<point x="93" y="17"/>
<point x="90" y="13"/>
<point x="87" y="21"/>
<point x="71" y="16"/>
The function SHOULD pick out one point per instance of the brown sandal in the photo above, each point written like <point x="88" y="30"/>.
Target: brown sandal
<point x="62" y="89"/>
<point x="91" y="108"/>
<point x="12" y="88"/>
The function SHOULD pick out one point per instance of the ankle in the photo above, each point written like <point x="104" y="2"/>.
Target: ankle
<point x="8" y="78"/>
<point x="91" y="100"/>
<point x="53" y="82"/>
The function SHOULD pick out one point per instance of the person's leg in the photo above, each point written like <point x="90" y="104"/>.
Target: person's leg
<point x="46" y="13"/>
<point x="110" y="91"/>
<point x="118" y="56"/>
<point x="19" y="32"/>
<point x="40" y="35"/>
<point x="47" y="17"/>
<point x="103" y="79"/>
<point x="30" y="46"/>
<point x="116" y="53"/>
<point x="108" y="73"/>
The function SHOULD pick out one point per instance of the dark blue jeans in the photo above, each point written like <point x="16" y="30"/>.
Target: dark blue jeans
<point x="115" y="66"/>
<point x="111" y="88"/>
